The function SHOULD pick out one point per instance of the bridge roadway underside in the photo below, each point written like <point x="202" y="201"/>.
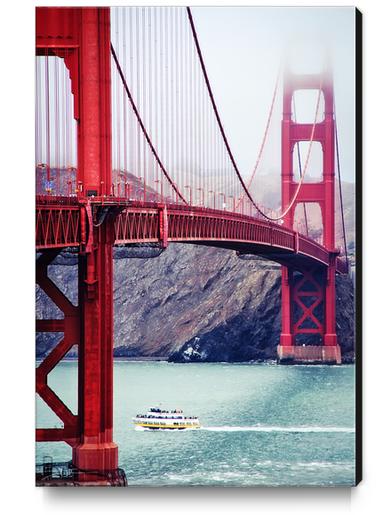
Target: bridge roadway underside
<point x="290" y="259"/>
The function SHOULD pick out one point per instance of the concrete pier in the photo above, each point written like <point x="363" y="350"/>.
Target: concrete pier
<point x="309" y="354"/>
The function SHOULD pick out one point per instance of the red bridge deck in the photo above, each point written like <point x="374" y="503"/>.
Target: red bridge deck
<point x="61" y="223"/>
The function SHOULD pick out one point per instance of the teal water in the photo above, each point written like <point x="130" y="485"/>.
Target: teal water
<point x="263" y="424"/>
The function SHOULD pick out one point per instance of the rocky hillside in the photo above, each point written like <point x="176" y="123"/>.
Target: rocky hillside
<point x="194" y="304"/>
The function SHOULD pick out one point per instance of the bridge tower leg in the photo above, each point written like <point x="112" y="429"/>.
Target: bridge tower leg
<point x="96" y="450"/>
<point x="308" y="297"/>
<point x="86" y="31"/>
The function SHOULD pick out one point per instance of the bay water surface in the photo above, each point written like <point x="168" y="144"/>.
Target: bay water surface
<point x="262" y="424"/>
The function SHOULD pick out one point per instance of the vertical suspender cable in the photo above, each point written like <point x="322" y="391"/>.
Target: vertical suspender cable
<point x="204" y="146"/>
<point x="181" y="108"/>
<point x="166" y="132"/>
<point x="124" y="110"/>
<point x="149" y="103"/>
<point x="175" y="88"/>
<point x="37" y="128"/>
<point x="56" y="126"/>
<point x="63" y="133"/>
<point x="192" y="119"/>
<point x="47" y="112"/>
<point x="118" y="115"/>
<point x="138" y="88"/>
<point x="172" y="100"/>
<point x="133" y="128"/>
<point x="68" y="125"/>
<point x="161" y="82"/>
<point x="66" y="130"/>
<point x="156" y="83"/>
<point x="143" y="108"/>
<point x="199" y="127"/>
<point x="184" y="104"/>
<point x="37" y="124"/>
<point x="63" y="127"/>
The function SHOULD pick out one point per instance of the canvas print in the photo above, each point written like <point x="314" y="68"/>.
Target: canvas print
<point x="197" y="303"/>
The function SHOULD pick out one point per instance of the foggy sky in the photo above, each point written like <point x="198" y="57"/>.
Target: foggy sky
<point x="242" y="48"/>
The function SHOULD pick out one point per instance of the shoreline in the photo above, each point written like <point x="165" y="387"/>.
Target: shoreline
<point x="116" y="358"/>
<point x="140" y="358"/>
<point x="146" y="359"/>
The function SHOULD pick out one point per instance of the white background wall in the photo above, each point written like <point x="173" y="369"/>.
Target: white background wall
<point x="17" y="313"/>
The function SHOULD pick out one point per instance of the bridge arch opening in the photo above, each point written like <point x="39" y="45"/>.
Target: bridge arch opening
<point x="304" y="103"/>
<point x="314" y="171"/>
<point x="56" y="128"/>
<point x="310" y="211"/>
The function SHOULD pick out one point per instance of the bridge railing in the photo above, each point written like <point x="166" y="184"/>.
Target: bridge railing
<point x="137" y="225"/>
<point x="189" y="223"/>
<point x="312" y="249"/>
<point x="57" y="226"/>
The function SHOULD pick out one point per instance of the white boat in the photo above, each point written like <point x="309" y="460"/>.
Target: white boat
<point x="157" y="418"/>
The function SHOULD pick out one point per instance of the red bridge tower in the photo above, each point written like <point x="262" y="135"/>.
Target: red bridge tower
<point x="308" y="297"/>
<point x="82" y="37"/>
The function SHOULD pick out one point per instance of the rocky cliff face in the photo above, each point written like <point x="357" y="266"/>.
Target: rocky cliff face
<point x="194" y="304"/>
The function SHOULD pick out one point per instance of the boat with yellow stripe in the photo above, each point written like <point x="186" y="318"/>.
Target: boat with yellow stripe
<point x="157" y="418"/>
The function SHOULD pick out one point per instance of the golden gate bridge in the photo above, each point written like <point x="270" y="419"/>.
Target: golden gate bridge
<point x="131" y="150"/>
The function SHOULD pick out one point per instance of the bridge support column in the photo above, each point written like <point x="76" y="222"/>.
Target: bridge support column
<point x="286" y="338"/>
<point x="96" y="450"/>
<point x="331" y="348"/>
<point x="308" y="317"/>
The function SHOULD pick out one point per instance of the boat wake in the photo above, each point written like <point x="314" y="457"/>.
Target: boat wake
<point x="259" y="429"/>
<point x="165" y="430"/>
<point x="282" y="429"/>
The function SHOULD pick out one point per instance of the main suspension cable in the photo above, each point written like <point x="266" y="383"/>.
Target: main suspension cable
<point x="300" y="169"/>
<point x="340" y="186"/>
<point x="206" y="78"/>
<point x="293" y="200"/>
<point x="264" y="136"/>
